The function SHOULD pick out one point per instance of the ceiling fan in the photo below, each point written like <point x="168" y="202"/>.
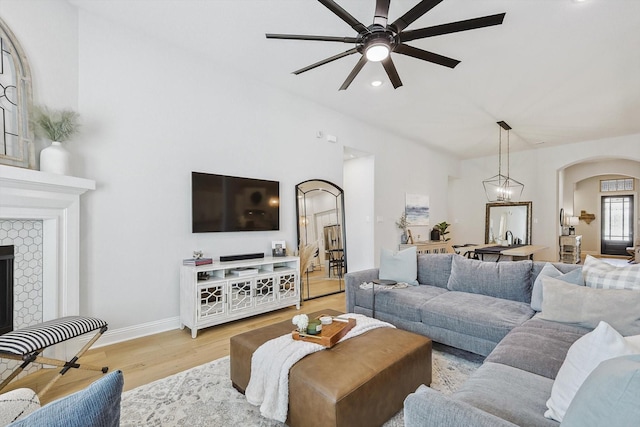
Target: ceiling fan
<point x="379" y="39"/>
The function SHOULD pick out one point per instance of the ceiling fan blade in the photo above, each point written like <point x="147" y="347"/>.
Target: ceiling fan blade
<point x="390" y="68"/>
<point x="418" y="10"/>
<point x="354" y="72"/>
<point x="344" y="15"/>
<point x="326" y="61"/>
<point x="453" y="27"/>
<point x="382" y="12"/>
<point x="425" y="55"/>
<point x="313" y="38"/>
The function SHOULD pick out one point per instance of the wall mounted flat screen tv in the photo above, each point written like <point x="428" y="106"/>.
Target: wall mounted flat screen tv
<point x="228" y="203"/>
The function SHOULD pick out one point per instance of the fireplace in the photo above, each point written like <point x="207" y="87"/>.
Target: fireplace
<point x="6" y="288"/>
<point x="55" y="200"/>
<point x="52" y="203"/>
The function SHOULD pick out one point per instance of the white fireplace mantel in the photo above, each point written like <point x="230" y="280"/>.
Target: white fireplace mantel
<point x="55" y="199"/>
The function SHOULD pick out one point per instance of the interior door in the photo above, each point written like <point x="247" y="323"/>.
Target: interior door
<point x="617" y="224"/>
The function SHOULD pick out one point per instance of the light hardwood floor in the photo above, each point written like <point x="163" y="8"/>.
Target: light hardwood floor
<point x="320" y="284"/>
<point x="147" y="359"/>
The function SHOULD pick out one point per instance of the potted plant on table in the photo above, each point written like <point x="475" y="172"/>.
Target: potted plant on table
<point x="402" y="225"/>
<point x="57" y="126"/>
<point x="442" y="230"/>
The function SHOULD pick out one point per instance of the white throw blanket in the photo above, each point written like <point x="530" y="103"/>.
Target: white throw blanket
<point x="270" y="364"/>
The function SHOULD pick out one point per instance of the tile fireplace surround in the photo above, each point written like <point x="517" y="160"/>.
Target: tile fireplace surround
<point x="55" y="200"/>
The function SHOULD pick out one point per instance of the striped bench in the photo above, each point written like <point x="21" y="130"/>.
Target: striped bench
<point x="26" y="345"/>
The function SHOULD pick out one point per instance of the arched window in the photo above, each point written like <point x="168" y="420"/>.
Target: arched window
<point x="16" y="143"/>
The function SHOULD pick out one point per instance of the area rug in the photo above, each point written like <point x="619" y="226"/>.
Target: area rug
<point x="204" y="396"/>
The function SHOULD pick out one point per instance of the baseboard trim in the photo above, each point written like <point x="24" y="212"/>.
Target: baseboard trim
<point x="114" y="336"/>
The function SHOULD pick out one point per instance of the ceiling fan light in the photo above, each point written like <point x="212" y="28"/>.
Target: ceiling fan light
<point x="377" y="52"/>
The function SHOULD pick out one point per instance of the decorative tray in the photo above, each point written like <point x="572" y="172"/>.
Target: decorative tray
<point x="330" y="334"/>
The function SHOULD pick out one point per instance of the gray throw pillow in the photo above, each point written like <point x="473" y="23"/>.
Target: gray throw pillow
<point x="585" y="306"/>
<point x="434" y="269"/>
<point x="609" y="396"/>
<point x="508" y="280"/>
<point x="549" y="270"/>
<point x="400" y="266"/>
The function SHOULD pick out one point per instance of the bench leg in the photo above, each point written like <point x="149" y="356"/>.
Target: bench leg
<point x="19" y="369"/>
<point x="72" y="363"/>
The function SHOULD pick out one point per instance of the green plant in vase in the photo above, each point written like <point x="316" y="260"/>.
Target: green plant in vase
<point x="403" y="225"/>
<point x="57" y="126"/>
<point x="442" y="228"/>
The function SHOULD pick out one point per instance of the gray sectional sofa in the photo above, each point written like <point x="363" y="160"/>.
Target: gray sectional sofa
<point x="485" y="308"/>
<point x="463" y="303"/>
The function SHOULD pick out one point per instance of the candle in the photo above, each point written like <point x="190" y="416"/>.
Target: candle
<point x="314" y="327"/>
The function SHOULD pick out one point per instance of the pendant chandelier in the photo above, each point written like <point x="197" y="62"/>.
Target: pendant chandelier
<point x="502" y="188"/>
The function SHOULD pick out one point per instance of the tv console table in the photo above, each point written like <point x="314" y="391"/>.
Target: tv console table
<point x="224" y="291"/>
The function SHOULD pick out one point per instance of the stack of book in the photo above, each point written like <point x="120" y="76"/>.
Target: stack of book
<point x="197" y="261"/>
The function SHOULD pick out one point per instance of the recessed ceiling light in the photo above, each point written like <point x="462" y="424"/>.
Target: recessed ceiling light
<point x="376" y="83"/>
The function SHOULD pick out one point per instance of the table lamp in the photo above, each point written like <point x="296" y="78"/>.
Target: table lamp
<point x="573" y="220"/>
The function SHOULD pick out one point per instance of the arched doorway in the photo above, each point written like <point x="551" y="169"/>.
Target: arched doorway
<point x="600" y="195"/>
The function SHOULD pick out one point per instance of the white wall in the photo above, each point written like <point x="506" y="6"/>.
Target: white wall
<point x="359" y="175"/>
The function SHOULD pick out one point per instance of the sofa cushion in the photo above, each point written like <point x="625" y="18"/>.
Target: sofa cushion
<point x="609" y="396"/>
<point x="537" y="346"/>
<point x="549" y="270"/>
<point x="585" y="306"/>
<point x="583" y="357"/>
<point x="95" y="406"/>
<point x="563" y="268"/>
<point x="507" y="280"/>
<point x="428" y="407"/>
<point x="400" y="266"/>
<point x="509" y="393"/>
<point x="601" y="274"/>
<point x="477" y="315"/>
<point x="405" y="303"/>
<point x="434" y="269"/>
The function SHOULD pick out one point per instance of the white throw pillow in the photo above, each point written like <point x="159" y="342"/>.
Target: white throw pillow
<point x="583" y="357"/>
<point x="601" y="274"/>
<point x="17" y="404"/>
<point x="400" y="266"/>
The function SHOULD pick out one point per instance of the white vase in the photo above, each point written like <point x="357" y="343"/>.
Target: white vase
<point x="55" y="159"/>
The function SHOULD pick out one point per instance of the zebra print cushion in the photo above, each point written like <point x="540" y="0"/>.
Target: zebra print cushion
<point x="27" y="340"/>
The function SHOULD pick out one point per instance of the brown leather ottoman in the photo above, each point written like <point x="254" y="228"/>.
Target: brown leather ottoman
<point x="360" y="382"/>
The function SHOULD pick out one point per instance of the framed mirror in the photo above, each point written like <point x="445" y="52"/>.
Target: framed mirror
<point x="16" y="146"/>
<point x="501" y="218"/>
<point x="320" y="214"/>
